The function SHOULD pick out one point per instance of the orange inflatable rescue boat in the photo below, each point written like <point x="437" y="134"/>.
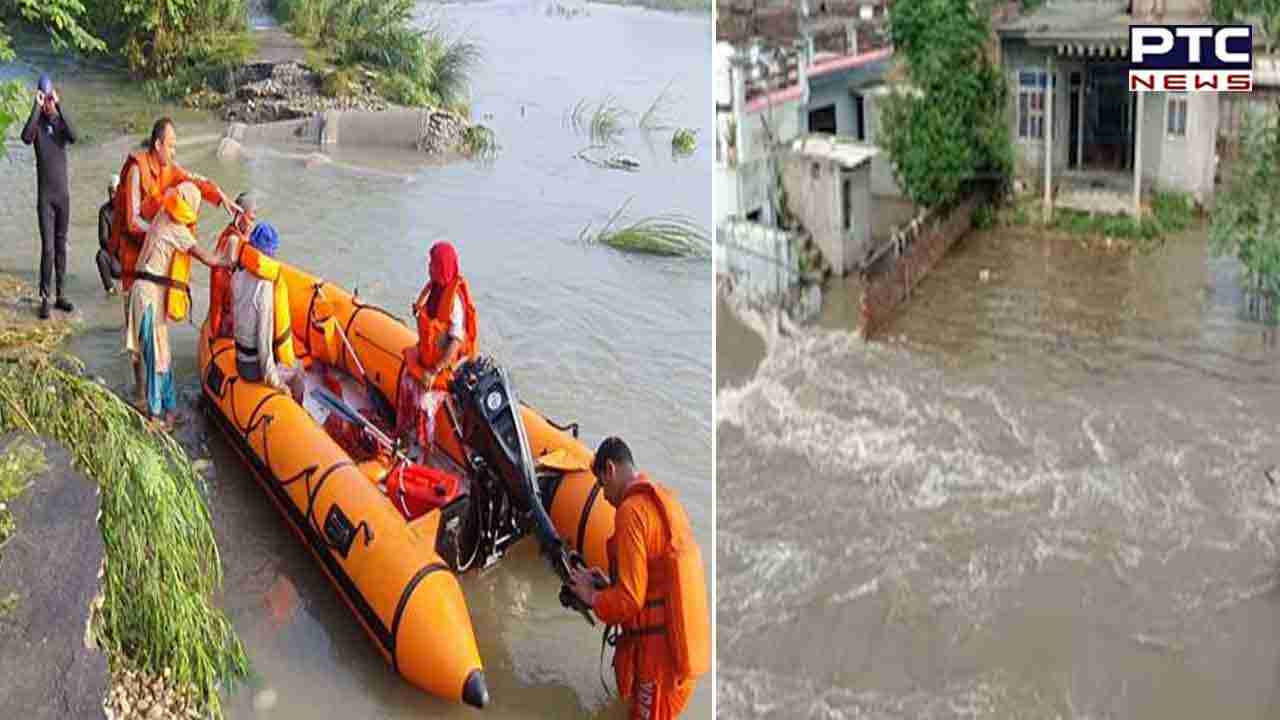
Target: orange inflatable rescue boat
<point x="392" y="532"/>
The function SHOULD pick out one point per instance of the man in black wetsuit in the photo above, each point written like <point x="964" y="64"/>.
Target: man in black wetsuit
<point x="50" y="132"/>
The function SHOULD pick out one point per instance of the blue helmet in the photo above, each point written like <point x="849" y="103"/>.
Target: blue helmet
<point x="45" y="85"/>
<point x="266" y="239"/>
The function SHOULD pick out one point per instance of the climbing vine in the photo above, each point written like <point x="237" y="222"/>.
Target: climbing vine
<point x="950" y="128"/>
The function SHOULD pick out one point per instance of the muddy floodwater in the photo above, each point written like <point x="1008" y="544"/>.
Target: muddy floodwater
<point x="618" y="343"/>
<point x="1038" y="496"/>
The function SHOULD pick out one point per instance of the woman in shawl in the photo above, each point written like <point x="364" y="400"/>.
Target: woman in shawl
<point x="446" y="319"/>
<point x="161" y="270"/>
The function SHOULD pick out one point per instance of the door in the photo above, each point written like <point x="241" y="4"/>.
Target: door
<point x="1073" y="136"/>
<point x="860" y="117"/>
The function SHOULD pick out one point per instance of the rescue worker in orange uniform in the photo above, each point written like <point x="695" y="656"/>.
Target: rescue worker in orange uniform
<point x="145" y="177"/>
<point x="235" y="234"/>
<point x="656" y="590"/>
<point x="447" y="331"/>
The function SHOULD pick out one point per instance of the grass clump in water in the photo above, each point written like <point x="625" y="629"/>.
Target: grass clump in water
<point x="666" y="235"/>
<point x="601" y="121"/>
<point x="684" y="141"/>
<point x="480" y="141"/>
<point x="162" y="564"/>
<point x="656" y="116"/>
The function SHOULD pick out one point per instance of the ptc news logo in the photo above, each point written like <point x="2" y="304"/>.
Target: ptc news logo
<point x="1190" y="58"/>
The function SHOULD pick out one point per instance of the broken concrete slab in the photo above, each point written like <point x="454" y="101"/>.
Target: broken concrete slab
<point x="52" y="563"/>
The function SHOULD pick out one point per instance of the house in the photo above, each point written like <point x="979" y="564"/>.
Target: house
<point x="1076" y="127"/>
<point x="828" y="189"/>
<point x="766" y="99"/>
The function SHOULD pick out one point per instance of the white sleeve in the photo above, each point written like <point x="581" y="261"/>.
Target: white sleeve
<point x="458" y="320"/>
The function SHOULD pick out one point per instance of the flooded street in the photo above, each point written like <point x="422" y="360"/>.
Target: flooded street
<point x="1038" y="496"/>
<point x="618" y="343"/>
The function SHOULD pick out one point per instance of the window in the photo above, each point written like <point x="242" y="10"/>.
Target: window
<point x="1176" y="115"/>
<point x="1031" y="87"/>
<point x="823" y="120"/>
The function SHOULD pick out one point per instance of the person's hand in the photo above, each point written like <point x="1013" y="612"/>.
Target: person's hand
<point x="583" y="585"/>
<point x="39" y="100"/>
<point x="232" y="209"/>
<point x="599" y="577"/>
<point x="53" y="95"/>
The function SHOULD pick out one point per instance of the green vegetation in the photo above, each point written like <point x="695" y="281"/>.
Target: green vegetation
<point x="667" y="235"/>
<point x="60" y="19"/>
<point x="655" y="117"/>
<point x="20" y="461"/>
<point x="416" y="67"/>
<point x="984" y="216"/>
<point x="480" y="141"/>
<point x="951" y="130"/>
<point x="1265" y="12"/>
<point x="684" y="141"/>
<point x="15" y="104"/>
<point x="338" y="84"/>
<point x="1170" y="214"/>
<point x="162" y="564"/>
<point x="177" y="46"/>
<point x="1246" y="221"/>
<point x="602" y="121"/>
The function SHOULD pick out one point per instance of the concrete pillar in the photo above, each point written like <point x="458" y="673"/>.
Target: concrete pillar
<point x="851" y="36"/>
<point x="1137" y="158"/>
<point x="329" y="128"/>
<point x="1048" y="144"/>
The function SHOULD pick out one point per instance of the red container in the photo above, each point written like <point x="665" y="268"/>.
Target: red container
<point x="416" y="490"/>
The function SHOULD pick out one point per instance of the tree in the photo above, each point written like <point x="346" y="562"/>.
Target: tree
<point x="62" y="20"/>
<point x="1247" y="219"/>
<point x="1265" y="12"/>
<point x="951" y="129"/>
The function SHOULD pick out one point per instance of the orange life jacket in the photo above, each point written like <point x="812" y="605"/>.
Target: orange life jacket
<point x="220" y="311"/>
<point x="433" y="332"/>
<point x="676" y="592"/>
<point x="153" y="181"/>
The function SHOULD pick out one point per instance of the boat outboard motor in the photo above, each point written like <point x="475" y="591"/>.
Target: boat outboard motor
<point x="492" y="427"/>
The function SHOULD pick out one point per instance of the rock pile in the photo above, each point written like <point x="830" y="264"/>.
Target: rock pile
<point x="140" y="695"/>
<point x="441" y="132"/>
<point x="284" y="91"/>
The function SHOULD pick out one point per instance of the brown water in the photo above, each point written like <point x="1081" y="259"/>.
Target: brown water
<point x="1040" y="496"/>
<point x="616" y="342"/>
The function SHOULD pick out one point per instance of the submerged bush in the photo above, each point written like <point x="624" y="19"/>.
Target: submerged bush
<point x="684" y="141"/>
<point x="420" y="66"/>
<point x="667" y="235"/>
